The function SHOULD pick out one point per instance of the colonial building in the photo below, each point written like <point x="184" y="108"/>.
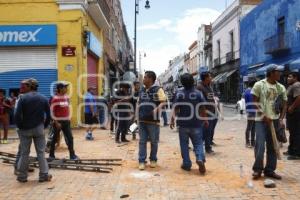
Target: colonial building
<point x="275" y="41"/>
<point x="204" y="47"/>
<point x="117" y="46"/>
<point x="226" y="49"/>
<point x="193" y="62"/>
<point x="56" y="40"/>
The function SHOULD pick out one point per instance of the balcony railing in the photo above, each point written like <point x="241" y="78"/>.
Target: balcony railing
<point x="230" y="56"/>
<point x="278" y="43"/>
<point x="217" y="62"/>
<point x="105" y="9"/>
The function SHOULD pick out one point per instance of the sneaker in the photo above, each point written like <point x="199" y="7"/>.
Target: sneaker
<point x="201" y="165"/>
<point x="213" y="144"/>
<point x="141" y="166"/>
<point x="21" y="180"/>
<point x="50" y="158"/>
<point x="125" y="140"/>
<point x="45" y="178"/>
<point x="153" y="164"/>
<point x="4" y="142"/>
<point x="185" y="168"/>
<point x="256" y="175"/>
<point x="89" y="136"/>
<point x="210" y="151"/>
<point x="74" y="157"/>
<point x="273" y="175"/>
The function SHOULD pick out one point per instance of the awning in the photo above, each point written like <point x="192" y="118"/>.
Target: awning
<point x="230" y="73"/>
<point x="215" y="80"/>
<point x="294" y="65"/>
<point x="223" y="78"/>
<point x="262" y="71"/>
<point x="226" y="75"/>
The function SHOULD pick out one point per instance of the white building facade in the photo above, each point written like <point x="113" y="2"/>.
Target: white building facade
<point x="226" y="48"/>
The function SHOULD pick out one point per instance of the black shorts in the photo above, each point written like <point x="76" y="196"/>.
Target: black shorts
<point x="90" y="119"/>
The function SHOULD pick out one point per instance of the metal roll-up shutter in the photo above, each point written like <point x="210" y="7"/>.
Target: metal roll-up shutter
<point x="92" y="79"/>
<point x="18" y="63"/>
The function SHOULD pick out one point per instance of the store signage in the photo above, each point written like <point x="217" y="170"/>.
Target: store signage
<point x="94" y="45"/>
<point x="68" y="51"/>
<point x="28" y="35"/>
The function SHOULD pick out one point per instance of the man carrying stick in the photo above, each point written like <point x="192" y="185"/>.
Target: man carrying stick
<point x="265" y="94"/>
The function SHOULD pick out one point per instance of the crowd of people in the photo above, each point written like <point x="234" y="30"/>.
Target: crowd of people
<point x="195" y="113"/>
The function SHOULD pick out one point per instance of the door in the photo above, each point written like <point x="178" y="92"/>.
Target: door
<point x="92" y="72"/>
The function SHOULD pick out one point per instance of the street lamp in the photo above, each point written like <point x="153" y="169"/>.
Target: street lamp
<point x="136" y="12"/>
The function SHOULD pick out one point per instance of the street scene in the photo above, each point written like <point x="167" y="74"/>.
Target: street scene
<point x="146" y="99"/>
<point x="228" y="171"/>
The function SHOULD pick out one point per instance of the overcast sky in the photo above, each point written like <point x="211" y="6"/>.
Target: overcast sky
<point x="168" y="27"/>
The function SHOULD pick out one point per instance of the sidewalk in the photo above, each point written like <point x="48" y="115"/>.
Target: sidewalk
<point x="228" y="172"/>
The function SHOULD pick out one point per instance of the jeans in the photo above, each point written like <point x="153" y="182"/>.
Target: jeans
<point x="102" y="117"/>
<point x="208" y="133"/>
<point x="26" y="136"/>
<point x="66" y="129"/>
<point x="122" y="129"/>
<point x="294" y="129"/>
<point x="18" y="155"/>
<point x="215" y="121"/>
<point x="263" y="136"/>
<point x="148" y="131"/>
<point x="195" y="134"/>
<point x="250" y="128"/>
<point x="165" y="118"/>
<point x="112" y="122"/>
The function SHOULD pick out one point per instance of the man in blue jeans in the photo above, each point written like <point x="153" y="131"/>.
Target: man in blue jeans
<point x="188" y="104"/>
<point x="265" y="94"/>
<point x="32" y="116"/>
<point x="205" y="87"/>
<point x="151" y="100"/>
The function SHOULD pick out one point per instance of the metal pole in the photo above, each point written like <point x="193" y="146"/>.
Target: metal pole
<point x="135" y="20"/>
<point x="140" y="63"/>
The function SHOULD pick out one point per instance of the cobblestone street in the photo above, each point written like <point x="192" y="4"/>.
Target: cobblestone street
<point x="228" y="172"/>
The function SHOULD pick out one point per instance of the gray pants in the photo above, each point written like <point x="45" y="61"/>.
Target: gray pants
<point x="26" y="136"/>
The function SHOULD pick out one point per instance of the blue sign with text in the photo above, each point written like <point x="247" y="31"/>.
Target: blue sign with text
<point x="28" y="35"/>
<point x="94" y="45"/>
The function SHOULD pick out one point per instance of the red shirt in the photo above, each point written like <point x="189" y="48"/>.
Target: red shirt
<point x="60" y="107"/>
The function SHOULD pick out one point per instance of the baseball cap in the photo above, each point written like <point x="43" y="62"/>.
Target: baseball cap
<point x="274" y="67"/>
<point x="61" y="84"/>
<point x="33" y="82"/>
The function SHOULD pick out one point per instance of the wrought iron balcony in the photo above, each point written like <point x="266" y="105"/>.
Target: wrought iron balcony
<point x="217" y="62"/>
<point x="230" y="56"/>
<point x="279" y="43"/>
<point x="105" y="8"/>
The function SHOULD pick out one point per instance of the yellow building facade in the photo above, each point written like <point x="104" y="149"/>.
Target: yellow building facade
<point x="38" y="33"/>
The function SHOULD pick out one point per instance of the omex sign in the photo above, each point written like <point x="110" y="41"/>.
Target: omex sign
<point x="31" y="35"/>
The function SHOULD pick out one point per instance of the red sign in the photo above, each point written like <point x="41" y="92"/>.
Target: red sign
<point x="68" y="51"/>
